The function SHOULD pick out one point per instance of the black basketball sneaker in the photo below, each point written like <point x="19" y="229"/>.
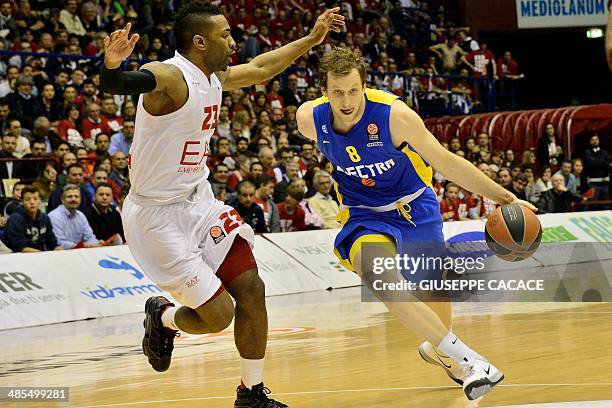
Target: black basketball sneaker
<point x="256" y="397"/>
<point x="158" y="341"/>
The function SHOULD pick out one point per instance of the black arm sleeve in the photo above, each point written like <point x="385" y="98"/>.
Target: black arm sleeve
<point x="118" y="82"/>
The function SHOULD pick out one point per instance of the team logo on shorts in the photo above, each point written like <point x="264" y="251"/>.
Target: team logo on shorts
<point x="217" y="234"/>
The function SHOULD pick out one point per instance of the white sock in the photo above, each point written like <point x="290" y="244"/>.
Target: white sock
<point x="453" y="347"/>
<point x="167" y="317"/>
<point x="252" y="371"/>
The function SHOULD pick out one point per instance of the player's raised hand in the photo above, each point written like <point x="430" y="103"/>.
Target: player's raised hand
<point x="329" y="20"/>
<point x="118" y="46"/>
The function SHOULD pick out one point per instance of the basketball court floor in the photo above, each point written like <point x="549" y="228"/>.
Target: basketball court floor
<point x="326" y="349"/>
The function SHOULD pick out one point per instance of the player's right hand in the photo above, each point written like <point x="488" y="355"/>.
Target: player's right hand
<point x="118" y="47"/>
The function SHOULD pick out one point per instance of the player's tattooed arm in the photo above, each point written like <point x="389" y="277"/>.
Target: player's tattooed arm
<point x="270" y="64"/>
<point x="407" y="127"/>
<point x="305" y="121"/>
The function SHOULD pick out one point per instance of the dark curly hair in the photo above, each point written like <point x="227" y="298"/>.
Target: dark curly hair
<point x="190" y="20"/>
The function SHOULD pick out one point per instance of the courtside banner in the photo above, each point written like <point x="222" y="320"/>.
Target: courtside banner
<point x="281" y="273"/>
<point x="52" y="287"/>
<point x="315" y="250"/>
<point x="561" y="13"/>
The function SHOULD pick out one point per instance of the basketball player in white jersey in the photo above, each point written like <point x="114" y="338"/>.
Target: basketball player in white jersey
<point x="187" y="242"/>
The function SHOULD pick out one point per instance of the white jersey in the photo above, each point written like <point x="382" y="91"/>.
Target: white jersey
<point x="168" y="155"/>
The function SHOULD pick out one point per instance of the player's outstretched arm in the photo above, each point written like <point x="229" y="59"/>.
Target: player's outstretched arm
<point x="305" y="121"/>
<point x="407" y="126"/>
<point x="269" y="64"/>
<point x="153" y="77"/>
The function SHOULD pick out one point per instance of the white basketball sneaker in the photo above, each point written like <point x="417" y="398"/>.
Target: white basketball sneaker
<point x="429" y="354"/>
<point x="480" y="377"/>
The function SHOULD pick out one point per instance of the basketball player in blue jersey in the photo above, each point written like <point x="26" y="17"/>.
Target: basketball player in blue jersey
<point x="381" y="154"/>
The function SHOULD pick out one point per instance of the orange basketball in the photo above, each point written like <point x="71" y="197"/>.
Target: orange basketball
<point x="513" y="232"/>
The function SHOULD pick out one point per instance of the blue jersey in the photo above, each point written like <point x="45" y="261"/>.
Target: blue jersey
<point x="368" y="169"/>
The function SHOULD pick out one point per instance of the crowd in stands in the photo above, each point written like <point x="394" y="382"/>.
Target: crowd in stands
<point x="73" y="139"/>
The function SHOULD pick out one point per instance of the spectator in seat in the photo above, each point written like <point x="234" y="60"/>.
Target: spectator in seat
<point x="266" y="157"/>
<point x="99" y="176"/>
<point x="46" y="182"/>
<point x="223" y="154"/>
<point x="292" y="173"/>
<point x="290" y="93"/>
<point x="449" y="206"/>
<point x="88" y="96"/>
<point x="9" y="169"/>
<point x="42" y="132"/>
<point x="109" y="112"/>
<point x="49" y="105"/>
<point x="102" y="144"/>
<point x="223" y="122"/>
<point x="255" y="170"/>
<point x="245" y="205"/>
<point x="579" y="176"/>
<point x="220" y="175"/>
<point x="93" y="124"/>
<point x="242" y="146"/>
<point x="68" y="129"/>
<point x="264" y="185"/>
<point x="483" y="142"/>
<point x="69" y="224"/>
<point x="23" y="103"/>
<point x="558" y="199"/>
<point x="286" y="156"/>
<point x="307" y="157"/>
<point x="32" y="168"/>
<point x="549" y="150"/>
<point x="291" y="214"/>
<point x="504" y="178"/>
<point x="566" y="172"/>
<point x="23" y="143"/>
<point x="597" y="169"/>
<point x="243" y="163"/>
<point x="29" y="229"/>
<point x="75" y="177"/>
<point x="322" y="202"/>
<point x="122" y="141"/>
<point x="70" y="18"/>
<point x="519" y="184"/>
<point x="119" y="169"/>
<point x="104" y="220"/>
<point x="542" y="184"/>
<point x="14" y="202"/>
<point x="529" y="159"/>
<point x="68" y="159"/>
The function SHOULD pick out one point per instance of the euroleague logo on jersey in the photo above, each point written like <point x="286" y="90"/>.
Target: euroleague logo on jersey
<point x="217" y="234"/>
<point x="373" y="136"/>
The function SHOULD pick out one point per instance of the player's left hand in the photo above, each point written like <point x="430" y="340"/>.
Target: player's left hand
<point x="329" y="20"/>
<point x="525" y="204"/>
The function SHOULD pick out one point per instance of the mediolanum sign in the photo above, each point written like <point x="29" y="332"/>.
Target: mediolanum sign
<point x="561" y="13"/>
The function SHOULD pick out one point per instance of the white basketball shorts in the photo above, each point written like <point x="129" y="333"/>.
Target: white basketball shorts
<point x="180" y="246"/>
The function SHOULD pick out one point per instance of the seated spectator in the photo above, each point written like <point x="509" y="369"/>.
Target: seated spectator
<point x="102" y="144"/>
<point x="29" y="229"/>
<point x="291" y="214"/>
<point x="519" y="184"/>
<point x="68" y="128"/>
<point x="449" y="206"/>
<point x="119" y="170"/>
<point x="23" y="102"/>
<point x="242" y="146"/>
<point x="122" y="141"/>
<point x="559" y="198"/>
<point x="266" y="157"/>
<point x="32" y="168"/>
<point x="69" y="224"/>
<point x="219" y="176"/>
<point x="255" y="170"/>
<point x="243" y="163"/>
<point x="9" y="169"/>
<point x="223" y="154"/>
<point x="23" y="143"/>
<point x="93" y="124"/>
<point x="541" y="185"/>
<point x="264" y="185"/>
<point x="75" y="176"/>
<point x="566" y="172"/>
<point x="322" y="202"/>
<point x="46" y="182"/>
<point x="109" y="112"/>
<point x="504" y="178"/>
<point x="104" y="220"/>
<point x="68" y="159"/>
<point x="13" y="204"/>
<point x="292" y="173"/>
<point x="245" y="205"/>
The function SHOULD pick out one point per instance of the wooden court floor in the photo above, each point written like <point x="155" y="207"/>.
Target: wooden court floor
<point x="326" y="349"/>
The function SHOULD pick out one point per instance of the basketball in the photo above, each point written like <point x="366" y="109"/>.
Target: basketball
<point x="513" y="232"/>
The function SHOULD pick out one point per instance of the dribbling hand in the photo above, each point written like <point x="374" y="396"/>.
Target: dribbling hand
<point x="118" y="47"/>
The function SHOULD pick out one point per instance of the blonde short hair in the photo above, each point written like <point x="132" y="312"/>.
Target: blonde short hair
<point x="341" y="61"/>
